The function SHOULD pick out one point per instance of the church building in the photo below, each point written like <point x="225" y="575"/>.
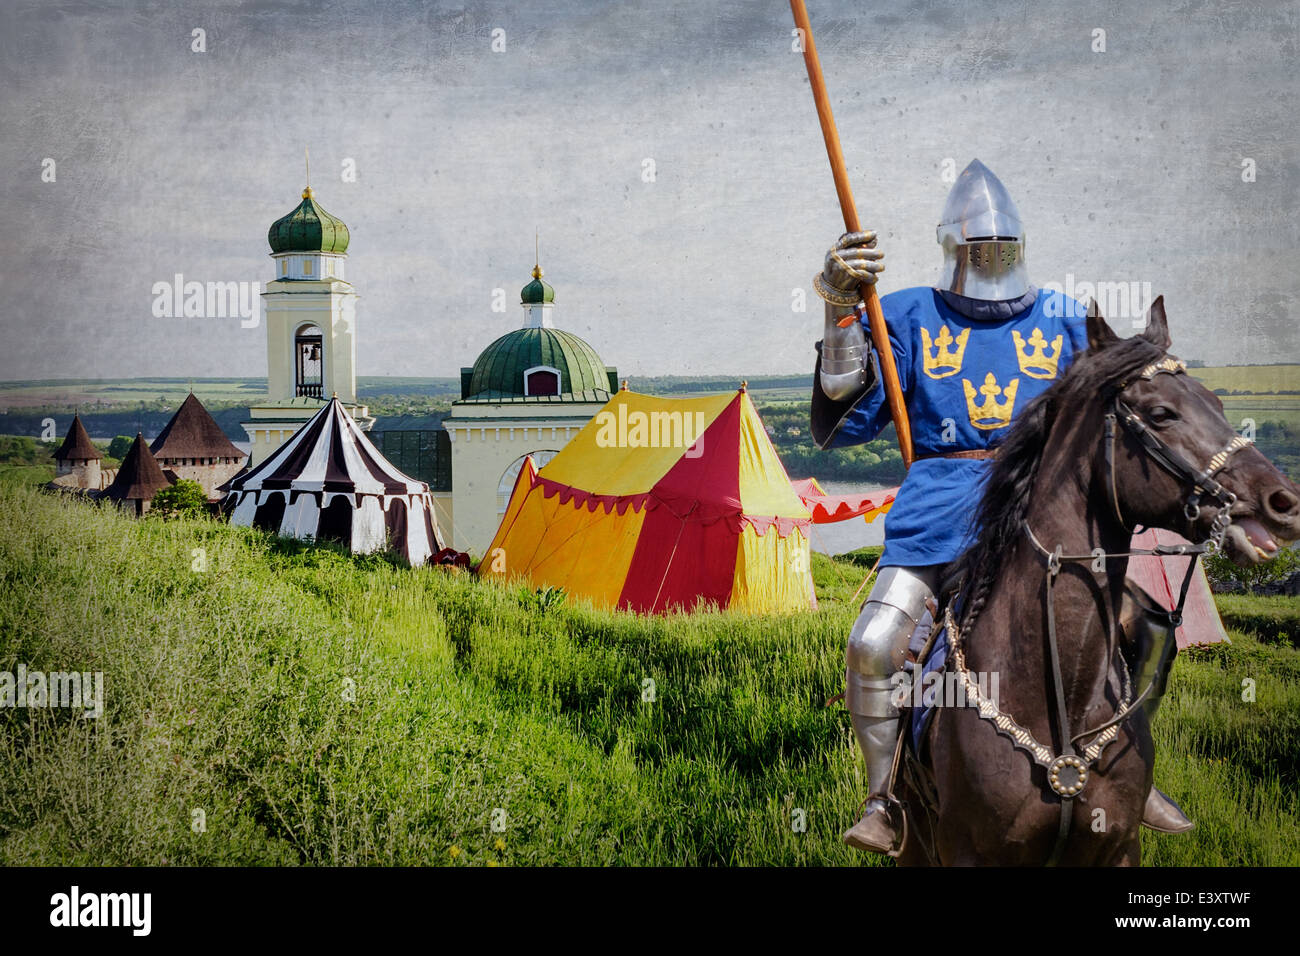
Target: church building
<point x="528" y="393"/>
<point x="309" y="309"/>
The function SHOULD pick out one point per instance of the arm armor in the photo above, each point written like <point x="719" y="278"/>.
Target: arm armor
<point x="845" y="372"/>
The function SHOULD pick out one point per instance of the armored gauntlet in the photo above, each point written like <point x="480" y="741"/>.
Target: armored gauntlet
<point x="845" y="371"/>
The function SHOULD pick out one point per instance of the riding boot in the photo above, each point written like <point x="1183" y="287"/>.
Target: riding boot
<point x="1158" y="646"/>
<point x="877" y="738"/>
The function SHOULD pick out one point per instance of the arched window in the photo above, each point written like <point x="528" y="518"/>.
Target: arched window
<point x="541" y="380"/>
<point x="308" y="345"/>
<point x="507" y="482"/>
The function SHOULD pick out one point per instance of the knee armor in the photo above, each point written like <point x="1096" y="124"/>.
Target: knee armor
<point x="878" y="642"/>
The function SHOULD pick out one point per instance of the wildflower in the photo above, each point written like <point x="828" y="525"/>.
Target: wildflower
<point x="500" y="844"/>
<point x="454" y="851"/>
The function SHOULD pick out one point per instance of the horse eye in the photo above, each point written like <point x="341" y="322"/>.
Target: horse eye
<point x="1161" y="414"/>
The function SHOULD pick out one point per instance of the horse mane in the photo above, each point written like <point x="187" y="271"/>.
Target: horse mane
<point x="1004" y="500"/>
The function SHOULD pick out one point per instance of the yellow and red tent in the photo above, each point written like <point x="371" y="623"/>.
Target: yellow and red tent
<point x="659" y="503"/>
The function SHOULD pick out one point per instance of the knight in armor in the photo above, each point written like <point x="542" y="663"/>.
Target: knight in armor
<point x="971" y="352"/>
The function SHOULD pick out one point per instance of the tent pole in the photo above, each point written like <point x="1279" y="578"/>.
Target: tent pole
<point x="869" y="574"/>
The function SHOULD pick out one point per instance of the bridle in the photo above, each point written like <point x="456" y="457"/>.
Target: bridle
<point x="1068" y="772"/>
<point x="1202" y="482"/>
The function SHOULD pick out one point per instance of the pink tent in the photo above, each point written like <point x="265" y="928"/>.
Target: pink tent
<point x="1163" y="577"/>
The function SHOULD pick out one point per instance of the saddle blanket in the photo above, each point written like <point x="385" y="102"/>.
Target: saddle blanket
<point x="933" y="664"/>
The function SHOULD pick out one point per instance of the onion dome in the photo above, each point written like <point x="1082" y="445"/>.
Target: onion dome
<point x="309" y="228"/>
<point x="499" y="371"/>
<point x="536" y="292"/>
<point x="77" y="445"/>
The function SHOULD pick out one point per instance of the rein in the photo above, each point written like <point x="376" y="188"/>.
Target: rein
<point x="1068" y="772"/>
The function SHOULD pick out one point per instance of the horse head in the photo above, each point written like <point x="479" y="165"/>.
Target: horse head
<point x="1175" y="462"/>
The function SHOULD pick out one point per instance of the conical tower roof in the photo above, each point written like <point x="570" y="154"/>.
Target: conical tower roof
<point x="193" y="433"/>
<point x="77" y="445"/>
<point x="329" y="453"/>
<point x="140" y="475"/>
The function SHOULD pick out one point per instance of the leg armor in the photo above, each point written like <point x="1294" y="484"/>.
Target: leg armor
<point x="876" y="648"/>
<point x="1151" y="644"/>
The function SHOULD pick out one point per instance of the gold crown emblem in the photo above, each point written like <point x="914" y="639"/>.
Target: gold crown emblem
<point x="943" y="357"/>
<point x="991" y="414"/>
<point x="1037" y="363"/>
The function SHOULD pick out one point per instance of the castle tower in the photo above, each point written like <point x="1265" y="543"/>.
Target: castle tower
<point x="77" y="462"/>
<point x="139" y="478"/>
<point x="192" y="445"/>
<point x="309" y="310"/>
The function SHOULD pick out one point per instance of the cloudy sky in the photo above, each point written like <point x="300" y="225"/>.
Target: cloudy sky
<point x="1127" y="165"/>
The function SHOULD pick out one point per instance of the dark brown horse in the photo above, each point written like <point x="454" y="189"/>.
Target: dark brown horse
<point x="1124" y="438"/>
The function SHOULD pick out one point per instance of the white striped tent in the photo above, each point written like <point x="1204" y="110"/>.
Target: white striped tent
<point x="329" y="482"/>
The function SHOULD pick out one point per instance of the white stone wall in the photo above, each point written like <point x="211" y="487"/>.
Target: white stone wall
<point x="209" y="475"/>
<point x="485" y="441"/>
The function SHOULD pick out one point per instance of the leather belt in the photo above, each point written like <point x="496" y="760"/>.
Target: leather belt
<point x="976" y="453"/>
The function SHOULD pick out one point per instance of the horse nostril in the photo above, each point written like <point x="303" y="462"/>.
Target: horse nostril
<point x="1282" y="502"/>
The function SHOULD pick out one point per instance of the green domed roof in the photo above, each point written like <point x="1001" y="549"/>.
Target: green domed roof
<point x="499" y="371"/>
<point x="537" y="291"/>
<point x="309" y="228"/>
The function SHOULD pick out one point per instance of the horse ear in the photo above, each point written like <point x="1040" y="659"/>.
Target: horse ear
<point x="1157" y="330"/>
<point x="1099" y="333"/>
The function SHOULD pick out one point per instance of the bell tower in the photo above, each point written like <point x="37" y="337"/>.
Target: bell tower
<point x="309" y="309"/>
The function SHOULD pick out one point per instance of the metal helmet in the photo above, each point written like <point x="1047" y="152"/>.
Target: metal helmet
<point x="983" y="239"/>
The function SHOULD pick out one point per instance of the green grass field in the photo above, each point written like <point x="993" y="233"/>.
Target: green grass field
<point x="323" y="709"/>
<point x="1253" y="379"/>
<point x="91" y="393"/>
<point x="109" y="393"/>
<point x="1262" y="408"/>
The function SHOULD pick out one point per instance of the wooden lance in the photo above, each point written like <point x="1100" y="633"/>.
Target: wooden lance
<point x="875" y="317"/>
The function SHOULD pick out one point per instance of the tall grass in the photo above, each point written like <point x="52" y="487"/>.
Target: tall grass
<point x="323" y="709"/>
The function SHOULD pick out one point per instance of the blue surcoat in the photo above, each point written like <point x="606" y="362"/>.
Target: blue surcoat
<point x="964" y="381"/>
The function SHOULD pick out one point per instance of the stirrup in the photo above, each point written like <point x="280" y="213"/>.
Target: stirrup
<point x="895" y="817"/>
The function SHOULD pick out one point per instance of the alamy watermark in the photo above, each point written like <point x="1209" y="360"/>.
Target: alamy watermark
<point x="638" y="429"/>
<point x="23" y="688"/>
<point x="132" y="911"/>
<point x="179" y="299"/>
<point x="1124" y="299"/>
<point x="943" y="689"/>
